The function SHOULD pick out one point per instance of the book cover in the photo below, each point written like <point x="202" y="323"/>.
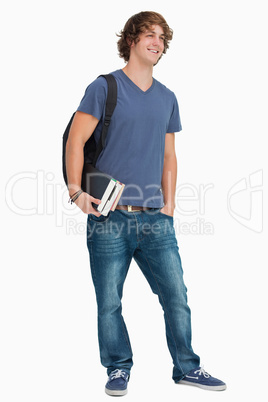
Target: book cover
<point x="100" y="185"/>
<point x="111" y="199"/>
<point x="118" y="197"/>
<point x="107" y="195"/>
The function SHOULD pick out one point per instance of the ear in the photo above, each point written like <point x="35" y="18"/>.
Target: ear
<point x="130" y="42"/>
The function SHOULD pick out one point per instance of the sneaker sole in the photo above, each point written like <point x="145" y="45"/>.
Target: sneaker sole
<point x="115" y="392"/>
<point x="207" y="387"/>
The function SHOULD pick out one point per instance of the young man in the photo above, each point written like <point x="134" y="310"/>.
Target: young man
<point x="140" y="152"/>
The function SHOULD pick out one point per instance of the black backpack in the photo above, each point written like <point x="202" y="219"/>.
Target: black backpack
<point x="91" y="149"/>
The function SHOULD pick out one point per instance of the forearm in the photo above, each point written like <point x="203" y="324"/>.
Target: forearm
<point x="169" y="179"/>
<point x="74" y="164"/>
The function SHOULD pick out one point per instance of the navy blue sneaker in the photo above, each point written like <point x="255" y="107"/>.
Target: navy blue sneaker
<point x="199" y="378"/>
<point x="117" y="383"/>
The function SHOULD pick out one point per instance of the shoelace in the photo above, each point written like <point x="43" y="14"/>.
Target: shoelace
<point x="201" y="371"/>
<point x="117" y="374"/>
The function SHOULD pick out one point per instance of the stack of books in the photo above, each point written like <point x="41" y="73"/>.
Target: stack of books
<point x="103" y="187"/>
<point x="110" y="197"/>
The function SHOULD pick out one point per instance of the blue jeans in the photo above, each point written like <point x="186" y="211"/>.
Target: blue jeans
<point x="149" y="238"/>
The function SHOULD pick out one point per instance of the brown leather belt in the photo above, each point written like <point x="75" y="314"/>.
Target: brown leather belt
<point x="129" y="208"/>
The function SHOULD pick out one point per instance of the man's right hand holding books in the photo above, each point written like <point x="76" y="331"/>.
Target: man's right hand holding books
<point x="84" y="202"/>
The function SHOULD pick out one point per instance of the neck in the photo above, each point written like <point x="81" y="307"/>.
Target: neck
<point x="141" y="75"/>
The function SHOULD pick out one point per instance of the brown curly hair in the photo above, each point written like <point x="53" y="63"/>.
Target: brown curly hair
<point x="138" y="24"/>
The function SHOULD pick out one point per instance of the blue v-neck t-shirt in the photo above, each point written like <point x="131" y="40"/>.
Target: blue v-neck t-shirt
<point x="135" y="144"/>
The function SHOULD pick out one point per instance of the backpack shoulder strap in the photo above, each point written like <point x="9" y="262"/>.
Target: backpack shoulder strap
<point x="110" y="105"/>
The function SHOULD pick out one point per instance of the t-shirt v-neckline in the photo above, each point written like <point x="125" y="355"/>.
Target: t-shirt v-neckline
<point x="136" y="86"/>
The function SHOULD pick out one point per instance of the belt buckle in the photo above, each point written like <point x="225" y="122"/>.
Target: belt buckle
<point x="129" y="209"/>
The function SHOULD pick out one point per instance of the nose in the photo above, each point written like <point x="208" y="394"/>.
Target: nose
<point x="157" y="41"/>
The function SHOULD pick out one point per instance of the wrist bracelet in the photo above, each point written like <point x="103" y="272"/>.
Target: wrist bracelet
<point x="74" y="197"/>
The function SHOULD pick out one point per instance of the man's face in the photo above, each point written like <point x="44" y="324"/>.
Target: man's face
<point x="150" y="46"/>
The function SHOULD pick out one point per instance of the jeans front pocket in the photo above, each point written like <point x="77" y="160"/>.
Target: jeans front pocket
<point x="100" y="218"/>
<point x="165" y="215"/>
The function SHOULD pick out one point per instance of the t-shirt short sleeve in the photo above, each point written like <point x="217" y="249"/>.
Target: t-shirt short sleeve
<point x="93" y="101"/>
<point x="175" y="120"/>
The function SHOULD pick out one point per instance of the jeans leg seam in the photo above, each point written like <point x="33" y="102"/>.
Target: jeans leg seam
<point x="122" y="323"/>
<point x="160" y="294"/>
<point x="92" y="265"/>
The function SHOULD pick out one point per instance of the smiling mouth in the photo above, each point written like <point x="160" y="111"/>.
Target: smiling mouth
<point x="153" y="51"/>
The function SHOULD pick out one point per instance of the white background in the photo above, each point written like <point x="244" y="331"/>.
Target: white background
<point x="217" y="66"/>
